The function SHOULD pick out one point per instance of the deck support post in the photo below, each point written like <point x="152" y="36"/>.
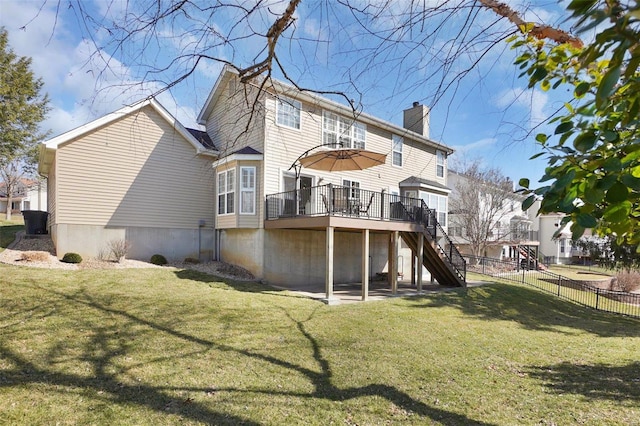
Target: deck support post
<point x="420" y="257"/>
<point x="365" y="264"/>
<point x="393" y="262"/>
<point x="328" y="280"/>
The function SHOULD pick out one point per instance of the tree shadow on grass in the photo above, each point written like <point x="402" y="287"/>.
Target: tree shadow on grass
<point x="531" y="309"/>
<point x="237" y="285"/>
<point x="600" y="381"/>
<point x="109" y="380"/>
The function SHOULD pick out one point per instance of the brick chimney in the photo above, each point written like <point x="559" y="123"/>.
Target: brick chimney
<point x="416" y="119"/>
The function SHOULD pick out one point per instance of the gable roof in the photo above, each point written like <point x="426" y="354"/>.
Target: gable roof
<point x="199" y="143"/>
<point x="424" y="184"/>
<point x="279" y="87"/>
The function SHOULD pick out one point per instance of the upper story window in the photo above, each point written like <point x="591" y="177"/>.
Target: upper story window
<point x="440" y="163"/>
<point x="336" y="129"/>
<point x="397" y="143"/>
<point x="288" y="112"/>
<point x="247" y="190"/>
<point x="226" y="191"/>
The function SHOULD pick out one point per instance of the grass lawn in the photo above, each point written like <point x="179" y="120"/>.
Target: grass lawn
<point x="162" y="346"/>
<point x="8" y="229"/>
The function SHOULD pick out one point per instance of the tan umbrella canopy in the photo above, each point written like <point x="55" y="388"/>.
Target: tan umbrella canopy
<point x="336" y="160"/>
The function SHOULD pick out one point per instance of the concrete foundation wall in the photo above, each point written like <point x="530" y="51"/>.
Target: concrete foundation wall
<point x="92" y="240"/>
<point x="297" y="257"/>
<point x="243" y="247"/>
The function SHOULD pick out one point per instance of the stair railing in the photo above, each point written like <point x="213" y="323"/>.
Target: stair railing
<point x="428" y="219"/>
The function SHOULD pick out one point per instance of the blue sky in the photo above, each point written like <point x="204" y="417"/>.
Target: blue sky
<point x="488" y="115"/>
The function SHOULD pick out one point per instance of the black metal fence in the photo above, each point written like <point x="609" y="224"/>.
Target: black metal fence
<point x="619" y="302"/>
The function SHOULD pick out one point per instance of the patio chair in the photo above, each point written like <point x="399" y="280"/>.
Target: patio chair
<point x="365" y="210"/>
<point x="326" y="204"/>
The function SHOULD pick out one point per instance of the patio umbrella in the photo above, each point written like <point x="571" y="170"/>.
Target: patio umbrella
<point x="336" y="160"/>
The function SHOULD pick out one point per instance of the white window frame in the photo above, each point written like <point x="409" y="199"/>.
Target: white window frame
<point x="247" y="189"/>
<point x="337" y="129"/>
<point x="354" y="188"/>
<point x="439" y="203"/>
<point x="226" y="191"/>
<point x="440" y="163"/>
<point x="288" y="113"/>
<point x="397" y="143"/>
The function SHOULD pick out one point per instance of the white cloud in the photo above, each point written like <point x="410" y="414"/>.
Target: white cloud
<point x="534" y="101"/>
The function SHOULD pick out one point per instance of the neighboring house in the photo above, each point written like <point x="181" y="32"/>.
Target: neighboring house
<point x="30" y="194"/>
<point x="555" y="248"/>
<point x="139" y="175"/>
<point x="510" y="232"/>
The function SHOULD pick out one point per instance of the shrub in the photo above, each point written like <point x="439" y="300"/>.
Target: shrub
<point x="158" y="259"/>
<point x="191" y="260"/>
<point x="119" y="249"/>
<point x="71" y="258"/>
<point x="627" y="281"/>
<point x="35" y="256"/>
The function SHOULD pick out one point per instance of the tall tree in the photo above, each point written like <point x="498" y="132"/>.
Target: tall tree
<point x="22" y="109"/>
<point x="479" y="205"/>
<point x="594" y="152"/>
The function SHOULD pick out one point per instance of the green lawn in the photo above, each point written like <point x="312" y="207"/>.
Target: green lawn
<point x="162" y="346"/>
<point x="8" y="230"/>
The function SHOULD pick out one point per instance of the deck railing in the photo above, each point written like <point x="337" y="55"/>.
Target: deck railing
<point x="336" y="200"/>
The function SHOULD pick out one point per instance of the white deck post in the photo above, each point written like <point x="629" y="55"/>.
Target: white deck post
<point x="420" y="256"/>
<point x="328" y="280"/>
<point x="393" y="264"/>
<point x="365" y="264"/>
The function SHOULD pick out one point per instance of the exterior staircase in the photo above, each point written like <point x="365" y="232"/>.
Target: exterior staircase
<point x="440" y="256"/>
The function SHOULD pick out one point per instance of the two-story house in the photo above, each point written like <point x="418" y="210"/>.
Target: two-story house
<point x="239" y="188"/>
<point x="28" y="194"/>
<point x="486" y="219"/>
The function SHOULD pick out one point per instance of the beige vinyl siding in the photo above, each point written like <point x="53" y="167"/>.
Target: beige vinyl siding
<point x="51" y="192"/>
<point x="137" y="171"/>
<point x="231" y="115"/>
<point x="285" y="145"/>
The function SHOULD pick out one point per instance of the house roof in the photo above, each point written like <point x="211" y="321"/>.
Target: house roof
<point x="47" y="148"/>
<point x="425" y="183"/>
<point x="202" y="137"/>
<point x="247" y="150"/>
<point x="287" y="90"/>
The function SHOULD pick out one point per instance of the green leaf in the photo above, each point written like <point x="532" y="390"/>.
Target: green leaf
<point x="586" y="220"/>
<point x="576" y="231"/>
<point x="541" y="137"/>
<point x="545" y="85"/>
<point x="607" y="84"/>
<point x="631" y="182"/>
<point x="617" y="193"/>
<point x="594" y="196"/>
<point x="613" y="164"/>
<point x="581" y="89"/>
<point x="524" y="182"/>
<point x="564" y="127"/>
<point x="534" y="156"/>
<point x="617" y="212"/>
<point x="610" y="136"/>
<point x="585" y="141"/>
<point x="528" y="202"/>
